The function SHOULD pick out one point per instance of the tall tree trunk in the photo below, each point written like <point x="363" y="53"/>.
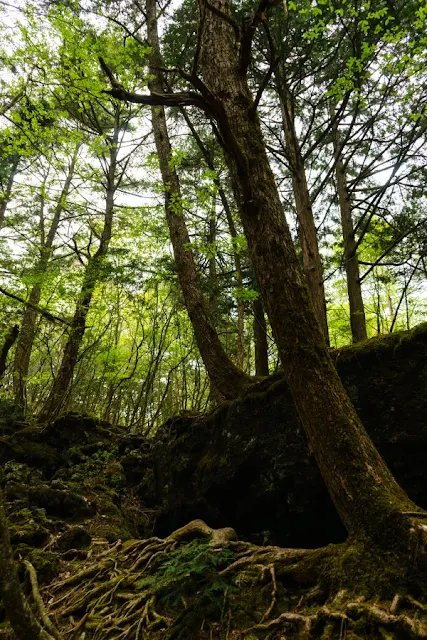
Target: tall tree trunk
<point x="233" y="233"/>
<point x="5" y="197"/>
<point x="25" y="341"/>
<point x="226" y="378"/>
<point x="360" y="484"/>
<point x="307" y="231"/>
<point x="260" y="339"/>
<point x="354" y="288"/>
<point x="57" y="397"/>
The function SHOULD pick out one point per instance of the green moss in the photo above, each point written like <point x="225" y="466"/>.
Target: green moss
<point x="25" y="527"/>
<point x="380" y="343"/>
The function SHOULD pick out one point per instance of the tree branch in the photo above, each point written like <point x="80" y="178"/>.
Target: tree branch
<point x="49" y="316"/>
<point x="249" y="32"/>
<point x="182" y="99"/>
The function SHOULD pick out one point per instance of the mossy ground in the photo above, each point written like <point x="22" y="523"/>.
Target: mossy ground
<point x="204" y="584"/>
<point x="244" y="464"/>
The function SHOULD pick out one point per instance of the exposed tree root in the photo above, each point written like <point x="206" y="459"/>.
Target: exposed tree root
<point x="204" y="583"/>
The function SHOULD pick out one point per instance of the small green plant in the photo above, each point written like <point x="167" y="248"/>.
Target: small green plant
<point x="191" y="571"/>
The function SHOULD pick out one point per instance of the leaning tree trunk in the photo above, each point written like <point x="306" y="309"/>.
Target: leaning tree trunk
<point x="233" y="233"/>
<point x="25" y="341"/>
<point x="307" y="231"/>
<point x="58" y="394"/>
<point x="57" y="398"/>
<point x="9" y="341"/>
<point x="364" y="491"/>
<point x="354" y="288"/>
<point x="225" y="377"/>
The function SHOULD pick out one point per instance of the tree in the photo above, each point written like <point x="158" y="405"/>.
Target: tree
<point x="226" y="378"/>
<point x="354" y="288"/>
<point x="375" y="510"/>
<point x="113" y="175"/>
<point x="306" y="224"/>
<point x="28" y="325"/>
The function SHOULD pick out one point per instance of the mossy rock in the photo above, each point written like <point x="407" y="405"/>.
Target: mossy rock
<point x="28" y="528"/>
<point x="75" y="537"/>
<point x="247" y="464"/>
<point x="46" y="563"/>
<point x="60" y="503"/>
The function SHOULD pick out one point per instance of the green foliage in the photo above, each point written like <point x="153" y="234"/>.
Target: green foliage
<point x="193" y="571"/>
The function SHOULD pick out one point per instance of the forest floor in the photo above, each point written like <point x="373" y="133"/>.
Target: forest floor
<point x="111" y="522"/>
<point x="204" y="583"/>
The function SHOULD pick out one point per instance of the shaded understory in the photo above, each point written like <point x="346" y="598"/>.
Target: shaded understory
<point x="76" y="487"/>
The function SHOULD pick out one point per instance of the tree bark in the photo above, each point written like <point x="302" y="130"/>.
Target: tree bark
<point x="57" y="397"/>
<point x="5" y="197"/>
<point x="10" y="340"/>
<point x="354" y="288"/>
<point x="260" y="339"/>
<point x="25" y="341"/>
<point x="225" y="377"/>
<point x="361" y="486"/>
<point x="233" y="233"/>
<point x="307" y="231"/>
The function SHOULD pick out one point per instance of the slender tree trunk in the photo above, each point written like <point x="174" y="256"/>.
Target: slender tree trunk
<point x="10" y="340"/>
<point x="233" y="233"/>
<point x="360" y="484"/>
<point x="307" y="231"/>
<point x="5" y="197"/>
<point x="260" y="339"/>
<point x="226" y="378"/>
<point x="28" y="326"/>
<point x="60" y="388"/>
<point x="354" y="288"/>
<point x="213" y="275"/>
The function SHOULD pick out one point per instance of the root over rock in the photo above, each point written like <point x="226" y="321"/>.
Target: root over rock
<point x="204" y="583"/>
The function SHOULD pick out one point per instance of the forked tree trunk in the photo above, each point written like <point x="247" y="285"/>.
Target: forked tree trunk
<point x="307" y="231"/>
<point x="58" y="394"/>
<point x="225" y="377"/>
<point x="25" y="341"/>
<point x="354" y="288"/>
<point x="360" y="484"/>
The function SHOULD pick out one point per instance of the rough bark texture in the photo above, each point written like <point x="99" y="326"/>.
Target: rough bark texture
<point x="226" y="378"/>
<point x="260" y="339"/>
<point x="307" y="231"/>
<point x="25" y="342"/>
<point x="59" y="391"/>
<point x="354" y="289"/>
<point x="360" y="484"/>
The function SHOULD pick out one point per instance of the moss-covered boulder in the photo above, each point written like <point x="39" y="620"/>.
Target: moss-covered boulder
<point x="247" y="464"/>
